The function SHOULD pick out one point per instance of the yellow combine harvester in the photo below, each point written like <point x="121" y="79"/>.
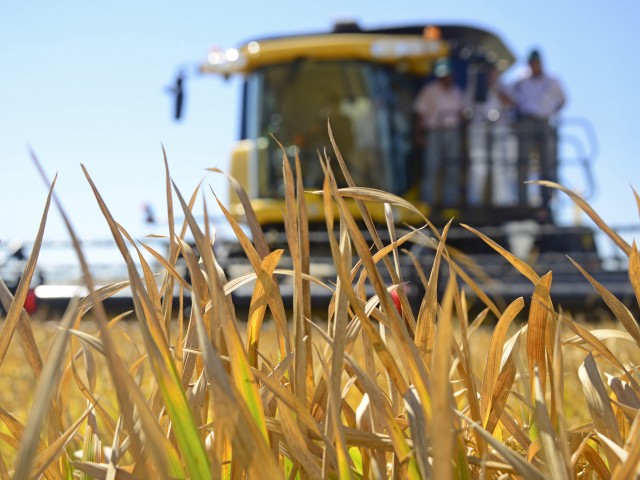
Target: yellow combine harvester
<point x="364" y="82"/>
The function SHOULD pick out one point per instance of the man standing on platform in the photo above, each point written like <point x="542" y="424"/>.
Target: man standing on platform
<point x="439" y="107"/>
<point x="537" y="98"/>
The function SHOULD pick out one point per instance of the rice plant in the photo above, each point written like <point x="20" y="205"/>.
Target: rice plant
<point x="375" y="387"/>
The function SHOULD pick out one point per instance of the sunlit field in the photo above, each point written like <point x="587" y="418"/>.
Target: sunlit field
<point x="371" y="387"/>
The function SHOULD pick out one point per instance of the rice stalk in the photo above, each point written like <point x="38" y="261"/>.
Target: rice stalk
<point x="379" y="387"/>
<point x="591" y="213"/>
<point x="600" y="407"/>
<point x="161" y="361"/>
<point x="115" y="364"/>
<point x="241" y="421"/>
<point x="14" y="313"/>
<point x="24" y="330"/>
<point x="259" y="303"/>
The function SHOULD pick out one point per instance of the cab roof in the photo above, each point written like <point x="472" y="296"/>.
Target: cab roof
<point x="416" y="46"/>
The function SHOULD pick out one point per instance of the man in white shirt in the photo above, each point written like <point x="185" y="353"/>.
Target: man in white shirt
<point x="491" y="175"/>
<point x="537" y="98"/>
<point x="439" y="108"/>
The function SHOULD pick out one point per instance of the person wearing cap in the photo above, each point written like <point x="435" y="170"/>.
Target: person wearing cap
<point x="537" y="99"/>
<point x="438" y="107"/>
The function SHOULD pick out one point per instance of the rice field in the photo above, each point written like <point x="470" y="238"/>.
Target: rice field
<point x="367" y="390"/>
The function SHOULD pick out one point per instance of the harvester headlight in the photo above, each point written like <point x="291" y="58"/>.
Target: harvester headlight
<point x="226" y="62"/>
<point x="253" y="48"/>
<point x="232" y="55"/>
<point x="216" y="57"/>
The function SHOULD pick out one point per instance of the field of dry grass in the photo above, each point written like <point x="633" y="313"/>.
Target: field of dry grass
<point x="18" y="384"/>
<point x="366" y="391"/>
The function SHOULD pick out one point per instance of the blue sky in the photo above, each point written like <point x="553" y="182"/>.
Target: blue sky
<point x="84" y="82"/>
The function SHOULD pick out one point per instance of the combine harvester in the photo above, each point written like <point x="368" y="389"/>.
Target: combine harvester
<point x="364" y="81"/>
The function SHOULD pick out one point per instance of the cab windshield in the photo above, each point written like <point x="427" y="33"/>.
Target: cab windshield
<point x="367" y="105"/>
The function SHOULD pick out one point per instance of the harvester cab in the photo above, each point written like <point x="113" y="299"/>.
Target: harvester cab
<point x="363" y="83"/>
